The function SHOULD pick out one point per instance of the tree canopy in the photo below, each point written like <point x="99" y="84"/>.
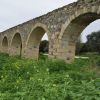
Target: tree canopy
<point x="44" y="45"/>
<point x="92" y="44"/>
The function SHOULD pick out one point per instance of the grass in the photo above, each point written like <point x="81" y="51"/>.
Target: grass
<point x="24" y="79"/>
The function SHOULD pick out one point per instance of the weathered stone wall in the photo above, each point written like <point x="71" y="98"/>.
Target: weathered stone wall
<point x="62" y="26"/>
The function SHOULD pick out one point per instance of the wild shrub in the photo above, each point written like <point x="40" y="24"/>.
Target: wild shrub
<point x="24" y="79"/>
<point x="56" y="66"/>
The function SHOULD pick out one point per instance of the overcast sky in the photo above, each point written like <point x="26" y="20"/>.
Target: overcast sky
<point x="14" y="12"/>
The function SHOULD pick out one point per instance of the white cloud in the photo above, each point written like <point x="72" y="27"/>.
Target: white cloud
<point x="13" y="12"/>
<point x="94" y="26"/>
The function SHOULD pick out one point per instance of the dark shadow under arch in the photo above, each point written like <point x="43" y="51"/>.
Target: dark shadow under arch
<point x="5" y="45"/>
<point x="16" y="45"/>
<point x="34" y="40"/>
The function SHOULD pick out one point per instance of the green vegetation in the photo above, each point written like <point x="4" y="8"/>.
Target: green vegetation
<point x="92" y="44"/>
<point x="24" y="79"/>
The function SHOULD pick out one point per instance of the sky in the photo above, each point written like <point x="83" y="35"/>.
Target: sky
<point x="14" y="12"/>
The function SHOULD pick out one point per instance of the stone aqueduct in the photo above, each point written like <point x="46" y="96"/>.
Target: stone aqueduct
<point x="63" y="27"/>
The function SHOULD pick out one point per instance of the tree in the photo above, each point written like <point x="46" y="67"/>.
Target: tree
<point x="79" y="46"/>
<point x="93" y="42"/>
<point x="44" y="46"/>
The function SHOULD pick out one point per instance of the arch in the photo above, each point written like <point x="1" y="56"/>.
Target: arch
<point x="16" y="45"/>
<point x="82" y="11"/>
<point x="33" y="41"/>
<point x="44" y="27"/>
<point x="73" y="28"/>
<point x="77" y="25"/>
<point x="5" y="45"/>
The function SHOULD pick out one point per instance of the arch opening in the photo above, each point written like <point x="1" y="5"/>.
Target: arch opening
<point x="44" y="46"/>
<point x="5" y="45"/>
<point x="35" y="41"/>
<point x="72" y="33"/>
<point x="16" y="45"/>
<point x="88" y="41"/>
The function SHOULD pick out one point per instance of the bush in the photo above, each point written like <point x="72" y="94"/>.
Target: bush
<point x="24" y="79"/>
<point x="56" y="66"/>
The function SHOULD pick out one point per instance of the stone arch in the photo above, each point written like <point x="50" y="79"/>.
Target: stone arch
<point x="92" y="10"/>
<point x="5" y="45"/>
<point x="34" y="38"/>
<point x="16" y="45"/>
<point x="73" y="28"/>
<point x="44" y="27"/>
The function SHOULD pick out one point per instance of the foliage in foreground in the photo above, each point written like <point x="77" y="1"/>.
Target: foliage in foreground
<point x="24" y="79"/>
